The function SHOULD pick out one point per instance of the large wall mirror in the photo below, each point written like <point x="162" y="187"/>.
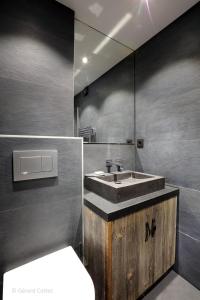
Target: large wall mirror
<point x="103" y="87"/>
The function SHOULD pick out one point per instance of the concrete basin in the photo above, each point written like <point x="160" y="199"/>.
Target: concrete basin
<point x="122" y="186"/>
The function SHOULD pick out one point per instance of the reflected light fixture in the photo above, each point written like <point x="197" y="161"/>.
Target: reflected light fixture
<point x="85" y="60"/>
<point x="113" y="32"/>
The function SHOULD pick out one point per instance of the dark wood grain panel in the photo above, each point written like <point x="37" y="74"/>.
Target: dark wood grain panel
<point x="169" y="232"/>
<point x="131" y="256"/>
<point x="123" y="258"/>
<point x="138" y="263"/>
<point x="165" y="239"/>
<point x="108" y="261"/>
<point x="95" y="239"/>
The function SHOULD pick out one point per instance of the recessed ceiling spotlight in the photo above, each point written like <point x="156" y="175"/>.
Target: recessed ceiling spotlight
<point x="85" y="60"/>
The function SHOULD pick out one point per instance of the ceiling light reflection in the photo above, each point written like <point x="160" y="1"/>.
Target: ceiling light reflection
<point x="115" y="30"/>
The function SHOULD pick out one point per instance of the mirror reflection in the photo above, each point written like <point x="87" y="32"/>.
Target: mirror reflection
<point x="103" y="88"/>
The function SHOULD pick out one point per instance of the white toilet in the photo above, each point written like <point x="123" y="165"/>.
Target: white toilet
<point x="57" y="276"/>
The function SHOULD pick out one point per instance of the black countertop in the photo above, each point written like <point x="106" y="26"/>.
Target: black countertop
<point x="110" y="211"/>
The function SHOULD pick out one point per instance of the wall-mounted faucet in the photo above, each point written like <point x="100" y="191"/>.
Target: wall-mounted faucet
<point x="117" y="163"/>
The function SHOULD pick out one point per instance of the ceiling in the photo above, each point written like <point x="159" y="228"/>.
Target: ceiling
<point x="131" y="22"/>
<point x="128" y="23"/>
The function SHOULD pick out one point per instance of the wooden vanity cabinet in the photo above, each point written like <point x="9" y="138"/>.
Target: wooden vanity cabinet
<point x="128" y="255"/>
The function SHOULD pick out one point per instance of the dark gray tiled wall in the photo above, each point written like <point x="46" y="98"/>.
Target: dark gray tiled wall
<point x="177" y="159"/>
<point x="36" y="98"/>
<point x="109" y="105"/>
<point x="1" y="287"/>
<point x="189" y="213"/>
<point x="95" y="156"/>
<point x="36" y="63"/>
<point x="167" y="95"/>
<point x="188" y="259"/>
<point x="39" y="216"/>
<point x="188" y="262"/>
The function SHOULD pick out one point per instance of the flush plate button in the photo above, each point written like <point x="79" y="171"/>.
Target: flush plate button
<point x="30" y="165"/>
<point x="47" y="163"/>
<point x="34" y="164"/>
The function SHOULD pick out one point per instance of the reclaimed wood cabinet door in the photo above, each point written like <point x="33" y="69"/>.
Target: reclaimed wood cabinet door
<point x="143" y="249"/>
<point x="126" y="256"/>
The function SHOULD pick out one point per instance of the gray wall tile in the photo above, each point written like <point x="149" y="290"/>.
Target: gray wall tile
<point x="40" y="57"/>
<point x="1" y="287"/>
<point x="31" y="231"/>
<point x="36" y="62"/>
<point x="167" y="100"/>
<point x="177" y="160"/>
<point x="41" y="15"/>
<point x="171" y="115"/>
<point x="188" y="262"/>
<point x="35" y="192"/>
<point x="34" y="109"/>
<point x="189" y="212"/>
<point x="38" y="216"/>
<point x="36" y="97"/>
<point x="109" y="105"/>
<point x="95" y="156"/>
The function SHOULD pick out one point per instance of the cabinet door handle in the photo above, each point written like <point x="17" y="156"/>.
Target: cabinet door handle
<point x="153" y="227"/>
<point x="148" y="231"/>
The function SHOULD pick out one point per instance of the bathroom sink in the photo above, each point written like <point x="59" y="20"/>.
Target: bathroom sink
<point x="121" y="186"/>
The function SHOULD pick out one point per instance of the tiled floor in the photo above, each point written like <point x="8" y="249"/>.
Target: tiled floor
<point x="173" y="287"/>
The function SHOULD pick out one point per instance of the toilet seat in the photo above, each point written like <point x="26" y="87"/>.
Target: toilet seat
<point x="57" y="276"/>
